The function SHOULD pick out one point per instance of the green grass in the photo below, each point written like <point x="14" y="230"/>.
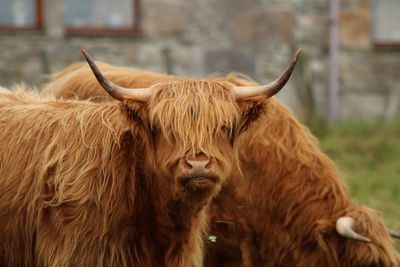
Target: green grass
<point x="368" y="156"/>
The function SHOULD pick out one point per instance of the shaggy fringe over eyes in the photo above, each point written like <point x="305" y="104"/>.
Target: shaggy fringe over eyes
<point x="191" y="112"/>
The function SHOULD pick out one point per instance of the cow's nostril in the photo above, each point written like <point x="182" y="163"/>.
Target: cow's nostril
<point x="187" y="165"/>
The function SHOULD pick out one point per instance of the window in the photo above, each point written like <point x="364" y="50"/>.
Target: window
<point x="386" y="21"/>
<point x="21" y="15"/>
<point x="101" y="16"/>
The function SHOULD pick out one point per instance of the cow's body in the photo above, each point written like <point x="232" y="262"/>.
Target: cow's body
<point x="283" y="211"/>
<point x="72" y="192"/>
<point x="86" y="184"/>
<point x="286" y="206"/>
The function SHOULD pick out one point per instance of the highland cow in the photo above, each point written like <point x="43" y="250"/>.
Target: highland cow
<point x="286" y="207"/>
<point x="123" y="183"/>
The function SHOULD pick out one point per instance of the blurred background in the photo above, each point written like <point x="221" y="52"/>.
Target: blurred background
<point x="346" y="87"/>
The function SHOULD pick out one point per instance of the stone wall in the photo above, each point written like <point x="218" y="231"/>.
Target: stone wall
<point x="207" y="37"/>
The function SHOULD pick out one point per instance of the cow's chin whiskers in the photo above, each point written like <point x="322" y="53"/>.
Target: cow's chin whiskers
<point x="197" y="191"/>
<point x="198" y="182"/>
<point x="193" y="186"/>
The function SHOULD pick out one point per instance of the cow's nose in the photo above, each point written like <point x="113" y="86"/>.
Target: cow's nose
<point x="198" y="165"/>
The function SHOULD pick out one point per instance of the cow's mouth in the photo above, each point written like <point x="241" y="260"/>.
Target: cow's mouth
<point x="198" y="181"/>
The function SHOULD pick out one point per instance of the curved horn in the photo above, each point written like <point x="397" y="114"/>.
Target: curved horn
<point x="394" y="234"/>
<point x="344" y="226"/>
<point x="271" y="88"/>
<point x="117" y="92"/>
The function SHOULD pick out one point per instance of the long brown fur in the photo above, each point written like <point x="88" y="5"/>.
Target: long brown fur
<point x="87" y="184"/>
<point x="282" y="208"/>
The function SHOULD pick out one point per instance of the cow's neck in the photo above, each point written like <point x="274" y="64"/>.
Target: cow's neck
<point x="171" y="222"/>
<point x="183" y="224"/>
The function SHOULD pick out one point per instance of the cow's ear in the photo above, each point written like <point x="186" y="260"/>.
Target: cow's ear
<point x="252" y="110"/>
<point x="137" y="112"/>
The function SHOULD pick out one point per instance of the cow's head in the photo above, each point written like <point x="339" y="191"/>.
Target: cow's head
<point x="193" y="124"/>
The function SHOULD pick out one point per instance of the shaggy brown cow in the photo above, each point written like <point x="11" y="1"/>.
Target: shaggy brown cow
<point x="120" y="183"/>
<point x="285" y="210"/>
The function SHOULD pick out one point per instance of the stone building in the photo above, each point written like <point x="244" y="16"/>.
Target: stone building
<point x="207" y="37"/>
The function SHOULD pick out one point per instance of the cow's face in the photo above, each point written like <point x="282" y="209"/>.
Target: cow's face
<point x="192" y="125"/>
<point x="191" y="128"/>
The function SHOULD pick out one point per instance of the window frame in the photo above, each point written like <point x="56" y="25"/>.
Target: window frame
<point x="134" y="29"/>
<point x="38" y="26"/>
<point x="380" y="45"/>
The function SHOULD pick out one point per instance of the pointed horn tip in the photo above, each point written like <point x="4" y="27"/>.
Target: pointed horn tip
<point x="394" y="234"/>
<point x="344" y="228"/>
<point x="298" y="52"/>
<point x="297" y="55"/>
<point x="86" y="54"/>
